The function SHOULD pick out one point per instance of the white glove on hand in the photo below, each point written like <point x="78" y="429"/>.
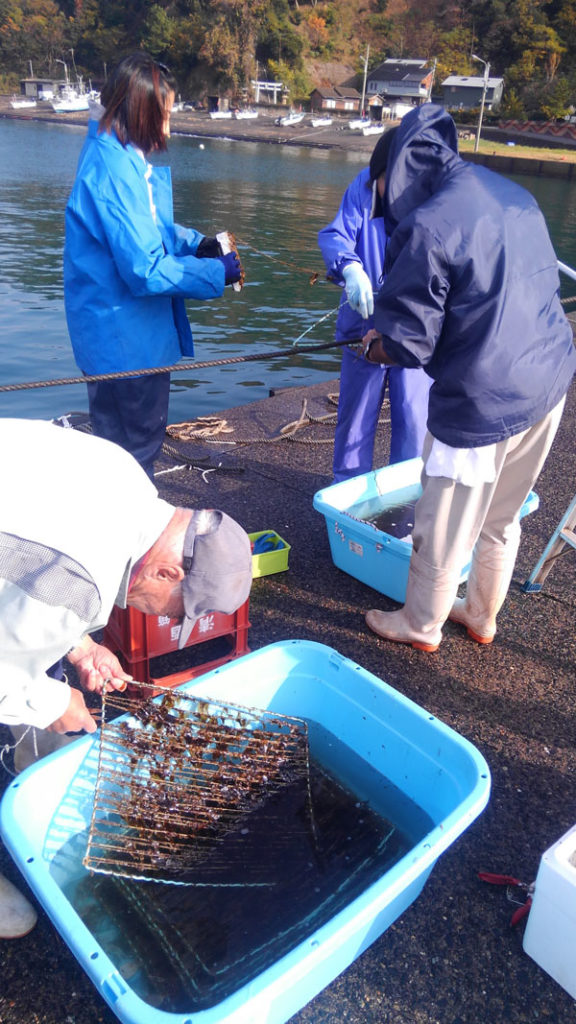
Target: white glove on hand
<point x="359" y="290"/>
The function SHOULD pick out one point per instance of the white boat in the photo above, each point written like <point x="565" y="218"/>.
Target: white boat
<point x="359" y="123"/>
<point x="244" y="115"/>
<point x="70" y="99"/>
<point x="220" y="114"/>
<point x="321" y="122"/>
<point x="289" y="119"/>
<point x="20" y="102"/>
<point x="373" y="129"/>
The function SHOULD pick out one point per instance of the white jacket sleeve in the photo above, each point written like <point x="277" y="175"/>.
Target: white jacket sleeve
<point x="33" y="637"/>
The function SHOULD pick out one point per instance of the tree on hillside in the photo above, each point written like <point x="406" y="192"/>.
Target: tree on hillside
<point x="31" y="31"/>
<point x="453" y="56"/>
<point x="229" y="46"/>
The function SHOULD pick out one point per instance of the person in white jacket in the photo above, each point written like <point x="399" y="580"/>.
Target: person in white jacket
<point x="63" y="566"/>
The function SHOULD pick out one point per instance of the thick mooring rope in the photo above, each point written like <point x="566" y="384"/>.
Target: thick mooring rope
<point x="177" y="367"/>
<point x="184" y="367"/>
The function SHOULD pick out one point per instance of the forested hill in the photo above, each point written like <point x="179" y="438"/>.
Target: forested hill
<point x="221" y="45"/>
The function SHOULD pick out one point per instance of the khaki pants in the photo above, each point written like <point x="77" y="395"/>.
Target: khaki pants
<point x="450" y="519"/>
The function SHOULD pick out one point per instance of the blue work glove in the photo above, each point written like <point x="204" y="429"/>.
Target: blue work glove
<point x="232" y="268"/>
<point x="267" y="542"/>
<point x="359" y="290"/>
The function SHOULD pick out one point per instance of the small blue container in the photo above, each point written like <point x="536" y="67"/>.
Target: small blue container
<point x="361" y="719"/>
<point x="359" y="548"/>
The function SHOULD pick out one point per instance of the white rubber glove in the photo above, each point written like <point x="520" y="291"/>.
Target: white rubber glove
<point x="359" y="290"/>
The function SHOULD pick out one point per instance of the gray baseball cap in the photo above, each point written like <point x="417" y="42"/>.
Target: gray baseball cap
<point x="217" y="563"/>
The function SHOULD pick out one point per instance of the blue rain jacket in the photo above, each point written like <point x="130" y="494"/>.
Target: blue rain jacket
<point x="472" y="288"/>
<point x="126" y="272"/>
<point x="353" y="237"/>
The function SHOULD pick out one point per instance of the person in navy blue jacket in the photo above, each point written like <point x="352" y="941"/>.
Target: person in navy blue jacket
<point x="472" y="295"/>
<point x="353" y="247"/>
<point x="127" y="266"/>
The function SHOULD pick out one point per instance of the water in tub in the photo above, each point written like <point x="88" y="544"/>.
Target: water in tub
<point x="186" y="948"/>
<point x="397" y="519"/>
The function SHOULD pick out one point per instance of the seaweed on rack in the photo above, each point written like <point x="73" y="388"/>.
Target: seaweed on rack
<point x="178" y="781"/>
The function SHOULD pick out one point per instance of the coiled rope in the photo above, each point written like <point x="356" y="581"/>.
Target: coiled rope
<point x="208" y="433"/>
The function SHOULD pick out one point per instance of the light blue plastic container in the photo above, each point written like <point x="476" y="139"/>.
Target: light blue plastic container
<point x="50" y="804"/>
<point x="359" y="548"/>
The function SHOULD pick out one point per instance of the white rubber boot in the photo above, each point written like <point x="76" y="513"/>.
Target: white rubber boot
<point x="488" y="583"/>
<point x="17" y="915"/>
<point x="430" y="595"/>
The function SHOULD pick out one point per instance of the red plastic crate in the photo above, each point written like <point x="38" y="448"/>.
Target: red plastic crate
<point x="138" y="638"/>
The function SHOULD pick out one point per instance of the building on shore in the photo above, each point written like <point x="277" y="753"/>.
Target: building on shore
<point x="406" y="83"/>
<point x="464" y="92"/>
<point x="335" y="98"/>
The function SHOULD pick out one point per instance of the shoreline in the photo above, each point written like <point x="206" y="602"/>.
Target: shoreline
<point x="198" y="124"/>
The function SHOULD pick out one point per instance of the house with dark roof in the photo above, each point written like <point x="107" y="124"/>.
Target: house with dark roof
<point x="406" y="82"/>
<point x="335" y="98"/>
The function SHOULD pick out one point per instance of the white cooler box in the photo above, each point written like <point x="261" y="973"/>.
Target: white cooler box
<point x="550" y="935"/>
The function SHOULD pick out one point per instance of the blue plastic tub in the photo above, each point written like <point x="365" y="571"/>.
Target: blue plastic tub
<point x="359" y="548"/>
<point x="361" y="722"/>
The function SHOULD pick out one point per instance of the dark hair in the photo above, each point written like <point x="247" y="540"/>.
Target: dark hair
<point x="135" y="98"/>
<point x="379" y="158"/>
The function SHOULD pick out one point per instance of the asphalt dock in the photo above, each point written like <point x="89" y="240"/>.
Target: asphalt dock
<point x="452" y="957"/>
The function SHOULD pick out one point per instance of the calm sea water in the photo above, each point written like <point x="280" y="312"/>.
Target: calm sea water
<point x="274" y="199"/>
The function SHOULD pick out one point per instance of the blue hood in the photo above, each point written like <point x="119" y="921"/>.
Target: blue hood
<point x="424" y="149"/>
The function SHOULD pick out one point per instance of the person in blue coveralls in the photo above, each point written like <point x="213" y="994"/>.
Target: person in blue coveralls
<point x="471" y="293"/>
<point x="127" y="266"/>
<point x="353" y="248"/>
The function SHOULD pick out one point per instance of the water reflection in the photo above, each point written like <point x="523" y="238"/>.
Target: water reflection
<point x="274" y="199"/>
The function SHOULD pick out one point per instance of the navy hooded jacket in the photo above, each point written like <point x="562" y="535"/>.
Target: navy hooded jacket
<point x="472" y="288"/>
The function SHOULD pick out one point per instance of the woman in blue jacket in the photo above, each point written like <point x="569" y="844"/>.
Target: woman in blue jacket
<point x="127" y="266"/>
<point x="353" y="248"/>
<point x="471" y="294"/>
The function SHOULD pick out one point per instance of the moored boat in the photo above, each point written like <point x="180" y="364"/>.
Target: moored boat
<point x="289" y="119"/>
<point x="21" y="102"/>
<point x="373" y="129"/>
<point x="321" y="122"/>
<point x="69" y="100"/>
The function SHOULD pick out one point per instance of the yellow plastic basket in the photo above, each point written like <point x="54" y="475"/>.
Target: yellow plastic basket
<point x="274" y="560"/>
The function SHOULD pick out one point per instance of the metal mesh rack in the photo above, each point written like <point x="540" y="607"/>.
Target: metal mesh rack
<point x="178" y="781"/>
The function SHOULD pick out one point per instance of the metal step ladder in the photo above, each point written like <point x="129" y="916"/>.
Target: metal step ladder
<point x="564" y="535"/>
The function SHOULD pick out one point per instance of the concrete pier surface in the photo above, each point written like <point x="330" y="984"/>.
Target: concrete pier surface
<point x="452" y="957"/>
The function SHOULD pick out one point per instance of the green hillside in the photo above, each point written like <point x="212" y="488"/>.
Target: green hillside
<point x="221" y="45"/>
